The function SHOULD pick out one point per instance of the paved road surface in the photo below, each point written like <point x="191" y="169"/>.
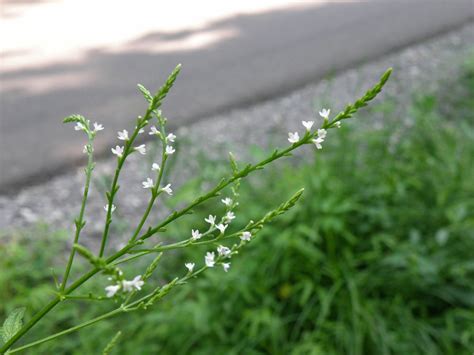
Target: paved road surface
<point x="228" y="62"/>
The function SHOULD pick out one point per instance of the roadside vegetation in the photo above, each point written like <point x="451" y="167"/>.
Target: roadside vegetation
<point x="377" y="258"/>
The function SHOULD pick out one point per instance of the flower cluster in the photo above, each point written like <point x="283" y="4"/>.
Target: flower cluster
<point x="294" y="137"/>
<point x="125" y="286"/>
<point x="210" y="259"/>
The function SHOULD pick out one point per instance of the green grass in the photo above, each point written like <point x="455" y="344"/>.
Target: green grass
<point x="376" y="258"/>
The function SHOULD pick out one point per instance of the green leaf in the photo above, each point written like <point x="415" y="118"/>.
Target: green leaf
<point x="12" y="324"/>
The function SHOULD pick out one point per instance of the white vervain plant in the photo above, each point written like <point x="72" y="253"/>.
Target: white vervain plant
<point x="127" y="293"/>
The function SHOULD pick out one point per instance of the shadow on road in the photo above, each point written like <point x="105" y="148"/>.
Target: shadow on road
<point x="231" y="62"/>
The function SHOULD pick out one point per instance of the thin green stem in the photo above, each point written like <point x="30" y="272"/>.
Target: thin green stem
<point x="68" y="331"/>
<point x="80" y="220"/>
<point x="154" y="195"/>
<point x="128" y="149"/>
<point x="47" y="308"/>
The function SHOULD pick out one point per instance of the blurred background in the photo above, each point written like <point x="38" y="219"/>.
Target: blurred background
<point x="376" y="259"/>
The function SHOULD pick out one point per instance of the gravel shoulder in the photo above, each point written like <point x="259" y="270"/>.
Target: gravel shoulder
<point x="417" y="68"/>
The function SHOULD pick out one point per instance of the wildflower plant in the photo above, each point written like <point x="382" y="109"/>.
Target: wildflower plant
<point x="130" y="293"/>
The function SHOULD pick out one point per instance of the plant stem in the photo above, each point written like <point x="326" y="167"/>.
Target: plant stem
<point x="153" y="197"/>
<point x="70" y="330"/>
<point x="80" y="221"/>
<point x="114" y="188"/>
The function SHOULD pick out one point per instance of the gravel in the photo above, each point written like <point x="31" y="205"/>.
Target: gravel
<point x="419" y="67"/>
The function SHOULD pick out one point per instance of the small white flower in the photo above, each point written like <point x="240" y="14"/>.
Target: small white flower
<point x="196" y="235"/>
<point x="112" y="209"/>
<point x="189" y="266"/>
<point x="293" y="137"/>
<point x="324" y="113"/>
<point x="98" y="127"/>
<point x="211" y="220"/>
<point x="224" y="251"/>
<point x="141" y="149"/>
<point x="338" y="124"/>
<point x="84" y="150"/>
<point x="321" y="136"/>
<point x="227" y="201"/>
<point x="246" y="236"/>
<point x="141" y="130"/>
<point x="167" y="189"/>
<point x="112" y="290"/>
<point x="229" y="216"/>
<point x="221" y="227"/>
<point x="118" y="151"/>
<point x="148" y="183"/>
<point x="79" y="127"/>
<point x="170" y="138"/>
<point x="226" y="266"/>
<point x="136" y="283"/>
<point x="155" y="167"/>
<point x="209" y="259"/>
<point x="307" y="125"/>
<point x="123" y="136"/>
<point x="317" y="142"/>
<point x="169" y="150"/>
<point x="322" y="133"/>
<point x="154" y="131"/>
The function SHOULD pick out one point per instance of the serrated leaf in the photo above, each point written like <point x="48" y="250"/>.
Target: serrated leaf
<point x="12" y="324"/>
<point x="146" y="94"/>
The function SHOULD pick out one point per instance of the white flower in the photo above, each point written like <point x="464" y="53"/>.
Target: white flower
<point x="154" y="131"/>
<point x="112" y="290"/>
<point x="307" y="125"/>
<point x="324" y="113"/>
<point x="141" y="130"/>
<point x="227" y="201"/>
<point x="148" y="184"/>
<point x="98" y="127"/>
<point x="85" y="149"/>
<point x="317" y="142"/>
<point x="79" y="127"/>
<point x="136" y="283"/>
<point x="118" y="151"/>
<point x="155" y="167"/>
<point x="224" y="251"/>
<point x="170" y="138"/>
<point x="293" y="137"/>
<point x="338" y="124"/>
<point x="246" y="236"/>
<point x="229" y="216"/>
<point x="226" y="266"/>
<point x="196" y="235"/>
<point x="169" y="150"/>
<point x="189" y="266"/>
<point x="167" y="189"/>
<point x="209" y="259"/>
<point x="112" y="209"/>
<point x="321" y="136"/>
<point x="322" y="133"/>
<point x="141" y="149"/>
<point x="221" y="227"/>
<point x="211" y="220"/>
<point x="123" y="136"/>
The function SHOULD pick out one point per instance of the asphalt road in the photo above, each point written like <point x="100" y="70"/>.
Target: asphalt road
<point x="258" y="56"/>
